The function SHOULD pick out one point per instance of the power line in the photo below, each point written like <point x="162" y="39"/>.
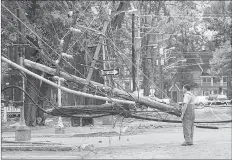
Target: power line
<point x="66" y="61"/>
<point x="44" y="41"/>
<point x="44" y="97"/>
<point x="121" y="58"/>
<point x="38" y="37"/>
<point x="139" y="70"/>
<point x="183" y="16"/>
<point x="66" y="71"/>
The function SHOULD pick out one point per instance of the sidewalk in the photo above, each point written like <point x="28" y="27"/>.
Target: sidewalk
<point x="75" y="137"/>
<point x="161" y="137"/>
<point x="136" y="132"/>
<point x="48" y="131"/>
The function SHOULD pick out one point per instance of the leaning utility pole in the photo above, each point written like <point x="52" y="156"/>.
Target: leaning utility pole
<point x="156" y="103"/>
<point x="95" y="58"/>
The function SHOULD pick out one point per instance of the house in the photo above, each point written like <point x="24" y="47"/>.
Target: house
<point x="196" y="74"/>
<point x="176" y="93"/>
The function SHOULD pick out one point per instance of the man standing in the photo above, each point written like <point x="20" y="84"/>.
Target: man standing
<point x="188" y="115"/>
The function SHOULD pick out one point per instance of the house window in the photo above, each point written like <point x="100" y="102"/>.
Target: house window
<point x="206" y="79"/>
<point x="216" y="80"/>
<point x="224" y="79"/>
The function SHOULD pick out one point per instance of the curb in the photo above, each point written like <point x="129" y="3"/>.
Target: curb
<point x="34" y="146"/>
<point x="29" y="147"/>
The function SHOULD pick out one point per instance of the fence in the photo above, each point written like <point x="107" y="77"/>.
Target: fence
<point x="9" y="111"/>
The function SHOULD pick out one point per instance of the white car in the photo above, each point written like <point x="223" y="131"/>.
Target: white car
<point x="201" y="100"/>
<point x="218" y="100"/>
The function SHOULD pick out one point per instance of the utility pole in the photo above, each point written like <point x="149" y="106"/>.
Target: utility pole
<point x="22" y="120"/>
<point x="153" y="59"/>
<point x="23" y="133"/>
<point x="138" y="50"/>
<point x="60" y="126"/>
<point x="161" y="75"/>
<point x="104" y="64"/>
<point x="133" y="53"/>
<point x="229" y="83"/>
<point x="107" y="120"/>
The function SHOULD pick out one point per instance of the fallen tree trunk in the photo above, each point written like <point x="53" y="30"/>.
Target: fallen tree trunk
<point x="64" y="88"/>
<point x="120" y="93"/>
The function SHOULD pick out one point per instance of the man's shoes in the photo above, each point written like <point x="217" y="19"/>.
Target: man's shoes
<point x="187" y="144"/>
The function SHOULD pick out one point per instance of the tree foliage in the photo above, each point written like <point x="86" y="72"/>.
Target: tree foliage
<point x="221" y="61"/>
<point x="219" y="21"/>
<point x="75" y="27"/>
<point x="217" y="18"/>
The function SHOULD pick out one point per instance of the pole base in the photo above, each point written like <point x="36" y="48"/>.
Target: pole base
<point x="22" y="133"/>
<point x="59" y="130"/>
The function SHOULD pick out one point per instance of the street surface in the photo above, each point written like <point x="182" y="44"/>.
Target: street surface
<point x="139" y="139"/>
<point x="154" y="143"/>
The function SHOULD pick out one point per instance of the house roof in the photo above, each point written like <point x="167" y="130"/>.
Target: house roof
<point x="205" y="74"/>
<point x="201" y="60"/>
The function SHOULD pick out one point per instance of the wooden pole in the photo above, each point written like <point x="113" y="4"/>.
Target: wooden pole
<point x="104" y="65"/>
<point x="229" y="81"/>
<point x="95" y="58"/>
<point x="60" y="125"/>
<point x="133" y="54"/>
<point x="22" y="132"/>
<point x="64" y="88"/>
<point x="138" y="50"/>
<point x="22" y="119"/>
<point x="120" y="93"/>
<point x="161" y="76"/>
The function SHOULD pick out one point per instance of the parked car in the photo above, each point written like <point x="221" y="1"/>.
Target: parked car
<point x="201" y="100"/>
<point x="218" y="100"/>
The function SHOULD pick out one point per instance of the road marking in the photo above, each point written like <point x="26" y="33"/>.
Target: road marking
<point x="215" y="114"/>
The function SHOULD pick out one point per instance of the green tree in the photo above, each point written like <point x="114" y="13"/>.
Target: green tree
<point x="221" y="61"/>
<point x="217" y="18"/>
<point x="219" y="21"/>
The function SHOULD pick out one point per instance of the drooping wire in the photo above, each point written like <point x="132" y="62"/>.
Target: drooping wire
<point x="66" y="71"/>
<point x="57" y="108"/>
<point x="42" y="40"/>
<point x="56" y="53"/>
<point x="112" y="34"/>
<point x="142" y="73"/>
<point x="49" y="46"/>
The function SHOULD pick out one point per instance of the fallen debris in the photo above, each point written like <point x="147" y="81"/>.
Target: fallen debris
<point x="208" y="127"/>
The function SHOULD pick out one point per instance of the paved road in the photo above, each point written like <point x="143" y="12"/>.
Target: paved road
<point x="155" y="143"/>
